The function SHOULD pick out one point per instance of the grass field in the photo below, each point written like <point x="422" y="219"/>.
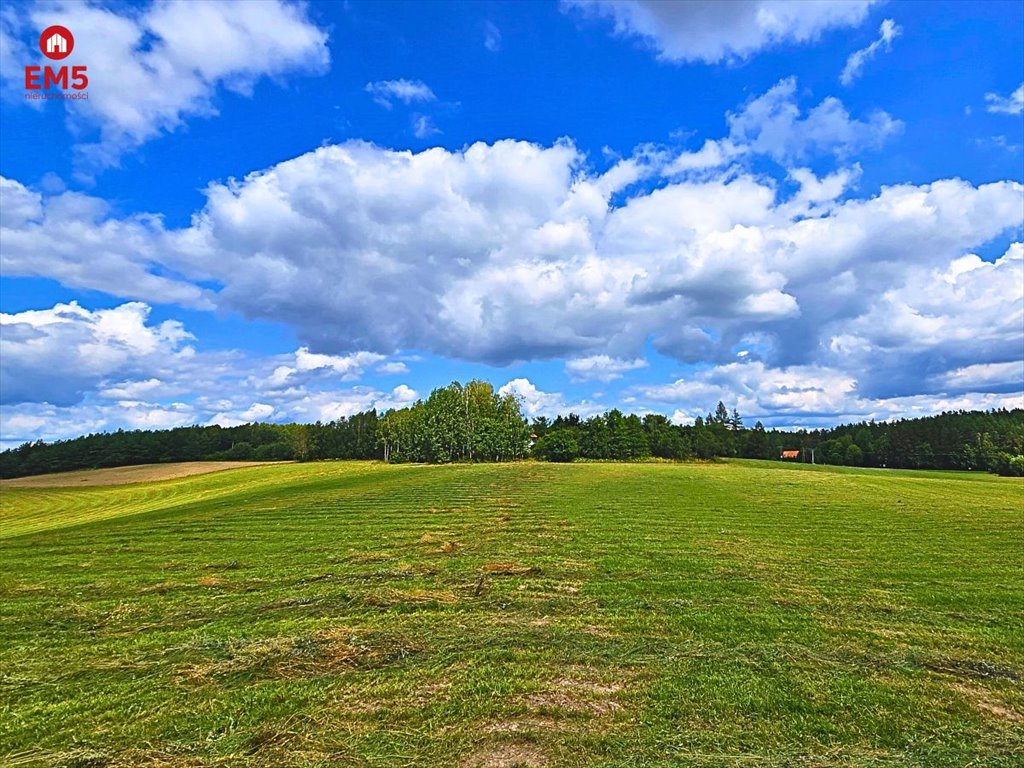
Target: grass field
<point x="125" y="475"/>
<point x="739" y="614"/>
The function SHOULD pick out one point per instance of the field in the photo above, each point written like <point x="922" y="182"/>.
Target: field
<point x="125" y="475"/>
<point x="359" y="614"/>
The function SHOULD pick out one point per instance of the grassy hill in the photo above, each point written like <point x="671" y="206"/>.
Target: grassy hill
<point x="488" y="616"/>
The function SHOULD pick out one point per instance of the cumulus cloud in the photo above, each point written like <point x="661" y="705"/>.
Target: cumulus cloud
<point x="966" y="313"/>
<point x="514" y="251"/>
<point x="773" y="124"/>
<point x="119" y="370"/>
<point x="151" y="69"/>
<point x="28" y="422"/>
<point x="307" y="366"/>
<point x="808" y="396"/>
<point x="75" y="238"/>
<point x="57" y="355"/>
<point x="386" y="92"/>
<point x="984" y="377"/>
<point x="710" y="31"/>
<point x="348" y="366"/>
<point x="205" y="404"/>
<point x="536" y="402"/>
<point x="1006" y="105"/>
<point x="601" y="367"/>
<point x="888" y="32"/>
<point x="713" y="154"/>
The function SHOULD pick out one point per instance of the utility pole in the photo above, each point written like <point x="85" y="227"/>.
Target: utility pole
<point x="812" y="456"/>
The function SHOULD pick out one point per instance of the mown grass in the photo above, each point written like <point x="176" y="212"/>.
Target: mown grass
<point x="740" y="614"/>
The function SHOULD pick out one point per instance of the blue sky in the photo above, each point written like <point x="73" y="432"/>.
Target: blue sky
<point x="292" y="212"/>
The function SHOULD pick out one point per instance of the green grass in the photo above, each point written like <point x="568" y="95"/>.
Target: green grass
<point x="336" y="614"/>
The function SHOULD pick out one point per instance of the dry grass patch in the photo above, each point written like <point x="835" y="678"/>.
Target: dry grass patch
<point x="163" y="587"/>
<point x="988" y="703"/>
<point x="528" y="724"/>
<point x="409" y="571"/>
<point x="506" y="756"/>
<point x="509" y="569"/>
<point x="284" y="658"/>
<point x="581" y="692"/>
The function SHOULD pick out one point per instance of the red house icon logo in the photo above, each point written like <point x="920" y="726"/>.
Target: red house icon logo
<point x="56" y="42"/>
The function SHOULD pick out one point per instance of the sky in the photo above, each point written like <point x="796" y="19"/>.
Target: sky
<point x="274" y="211"/>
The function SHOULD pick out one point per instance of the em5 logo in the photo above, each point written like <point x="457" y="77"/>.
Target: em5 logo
<point x="56" y="43"/>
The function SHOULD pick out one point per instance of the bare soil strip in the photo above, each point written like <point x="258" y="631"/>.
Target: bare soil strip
<point x="144" y="473"/>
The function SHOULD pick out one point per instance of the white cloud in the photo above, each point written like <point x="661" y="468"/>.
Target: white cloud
<point x="713" y="154"/>
<point x="14" y="53"/>
<point x="119" y="371"/>
<point x="805" y="396"/>
<point x="817" y="196"/>
<point x="492" y="37"/>
<point x="601" y="367"/>
<point x="75" y="238"/>
<point x="888" y="32"/>
<point x="535" y="402"/>
<point x="386" y="92"/>
<point x="348" y="366"/>
<point x="151" y="69"/>
<point x="305" y="367"/>
<point x="254" y="413"/>
<point x="392" y="369"/>
<point x="941" y="322"/>
<point x="31" y="421"/>
<point x="132" y="390"/>
<point x="87" y="348"/>
<point x="42" y="421"/>
<point x="712" y="31"/>
<point x="984" y="376"/>
<point x="1006" y="105"/>
<point x="423" y="127"/>
<point x="514" y="252"/>
<point x="773" y="124"/>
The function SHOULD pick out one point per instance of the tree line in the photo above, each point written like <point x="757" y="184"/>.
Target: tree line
<point x="992" y="440"/>
<point x="471" y="422"/>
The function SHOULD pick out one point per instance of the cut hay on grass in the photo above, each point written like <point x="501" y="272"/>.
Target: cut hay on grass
<point x="144" y="473"/>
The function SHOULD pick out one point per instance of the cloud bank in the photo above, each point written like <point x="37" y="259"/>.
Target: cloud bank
<point x="709" y="31"/>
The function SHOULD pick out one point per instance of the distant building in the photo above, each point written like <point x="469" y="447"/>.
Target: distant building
<point x="789" y="455"/>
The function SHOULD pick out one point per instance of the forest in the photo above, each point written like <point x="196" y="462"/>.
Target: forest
<point x="471" y="422"/>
